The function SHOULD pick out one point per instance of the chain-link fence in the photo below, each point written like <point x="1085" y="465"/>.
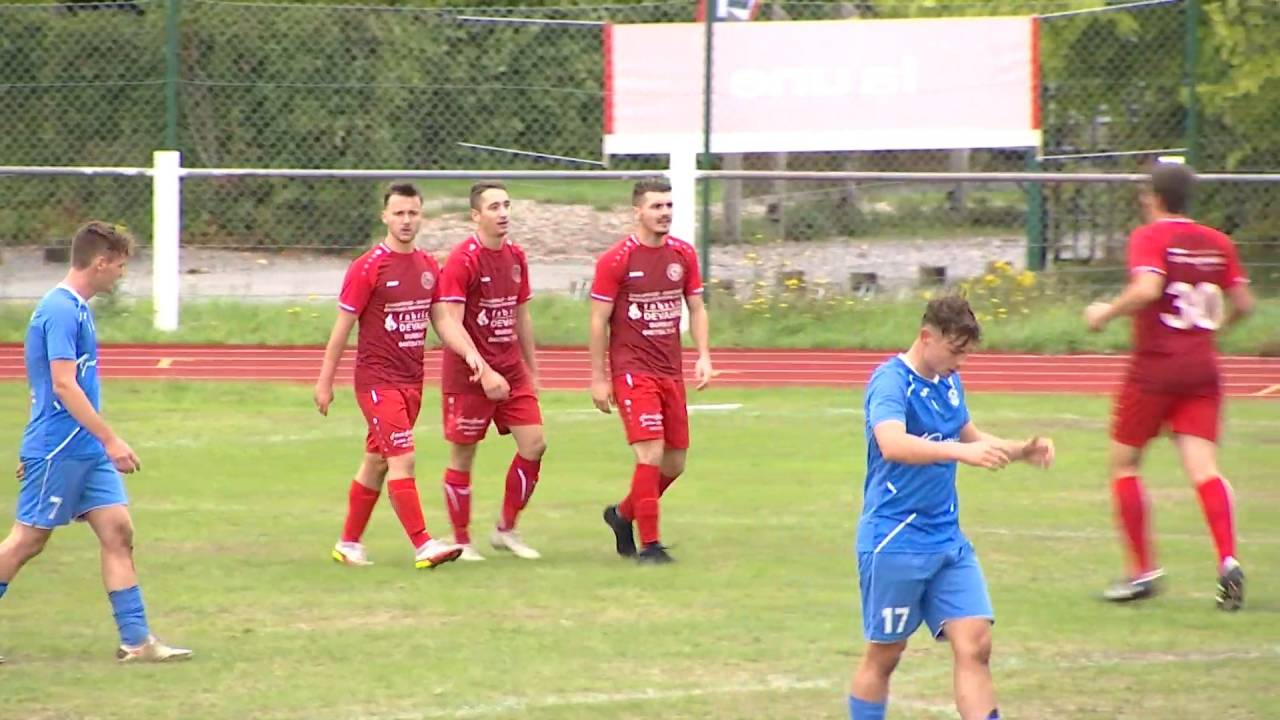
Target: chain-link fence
<point x="235" y="84"/>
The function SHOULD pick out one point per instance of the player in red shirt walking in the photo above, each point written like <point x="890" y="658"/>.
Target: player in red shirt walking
<point x="485" y="289"/>
<point x="1180" y="272"/>
<point x="391" y="291"/>
<point x="636" y="303"/>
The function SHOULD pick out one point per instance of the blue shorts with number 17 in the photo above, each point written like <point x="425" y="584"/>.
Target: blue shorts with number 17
<point x="901" y="590"/>
<point x="57" y="490"/>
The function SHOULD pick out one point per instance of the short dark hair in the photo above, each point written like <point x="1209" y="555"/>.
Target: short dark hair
<point x="95" y="239"/>
<point x="952" y="316"/>
<point x="479" y="189"/>
<point x="648" y="185"/>
<point x="1172" y="183"/>
<point x="402" y="189"/>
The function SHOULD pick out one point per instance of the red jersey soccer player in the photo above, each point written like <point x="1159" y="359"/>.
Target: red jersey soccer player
<point x="1179" y="274"/>
<point x="392" y="291"/>
<point x="485" y="289"/>
<point x="636" y="300"/>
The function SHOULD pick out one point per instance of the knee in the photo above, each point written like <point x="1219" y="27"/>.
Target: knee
<point x="399" y="466"/>
<point x="30" y="545"/>
<point x="534" y="449"/>
<point x="882" y="660"/>
<point x="1124" y="462"/>
<point x="119" y="538"/>
<point x="673" y="468"/>
<point x="648" y="453"/>
<point x="462" y="457"/>
<point x="975" y="650"/>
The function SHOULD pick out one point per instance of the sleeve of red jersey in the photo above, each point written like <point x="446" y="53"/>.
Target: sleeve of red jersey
<point x="357" y="286"/>
<point x="604" y="286"/>
<point x="456" y="278"/>
<point x="1146" y="253"/>
<point x="526" y="287"/>
<point x="1235" y="271"/>
<point x="693" y="273"/>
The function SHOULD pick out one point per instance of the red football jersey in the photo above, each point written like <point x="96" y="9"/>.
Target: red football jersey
<point x="1173" y="337"/>
<point x="391" y="293"/>
<point x="492" y="284"/>
<point x="646" y="286"/>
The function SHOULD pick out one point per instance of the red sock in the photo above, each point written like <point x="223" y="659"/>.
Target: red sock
<point x="522" y="478"/>
<point x="644" y="501"/>
<point x="403" y="494"/>
<point x="626" y="508"/>
<point x="360" y="502"/>
<point x="1218" y="502"/>
<point x="457" y="497"/>
<point x="1131" y="511"/>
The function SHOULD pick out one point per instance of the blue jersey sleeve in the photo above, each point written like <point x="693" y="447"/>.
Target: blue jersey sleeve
<point x="886" y="399"/>
<point x="61" y="328"/>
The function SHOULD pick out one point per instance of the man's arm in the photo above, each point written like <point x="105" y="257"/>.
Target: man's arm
<point x="899" y="447"/>
<point x="1035" y="450"/>
<point x="524" y="334"/>
<point x="77" y="404"/>
<point x="1144" y="289"/>
<point x="1242" y="304"/>
<point x="597" y="342"/>
<point x="700" y="330"/>
<point x="342" y="325"/>
<point x="446" y="318"/>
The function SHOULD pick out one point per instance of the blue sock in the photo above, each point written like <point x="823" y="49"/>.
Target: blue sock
<point x="863" y="710"/>
<point x="131" y="617"/>
<point x="3" y="587"/>
<point x="995" y="714"/>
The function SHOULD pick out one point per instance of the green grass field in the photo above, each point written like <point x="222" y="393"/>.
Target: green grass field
<point x="243" y="492"/>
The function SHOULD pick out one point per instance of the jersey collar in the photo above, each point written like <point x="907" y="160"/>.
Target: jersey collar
<point x="905" y="361"/>
<point x="73" y="292"/>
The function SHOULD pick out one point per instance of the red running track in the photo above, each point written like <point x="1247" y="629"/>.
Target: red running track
<point x="569" y="368"/>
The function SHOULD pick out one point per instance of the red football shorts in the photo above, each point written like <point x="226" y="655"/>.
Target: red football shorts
<point x="653" y="408"/>
<point x="390" y="413"/>
<point x="1139" y="415"/>
<point x="467" y="415"/>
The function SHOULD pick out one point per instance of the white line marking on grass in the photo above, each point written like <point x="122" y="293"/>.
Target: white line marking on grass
<point x="716" y="407"/>
<point x="1106" y="535"/>
<point x="515" y="704"/>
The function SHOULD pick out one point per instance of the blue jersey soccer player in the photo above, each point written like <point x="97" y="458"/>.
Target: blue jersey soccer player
<point x="71" y="458"/>
<point x="914" y="564"/>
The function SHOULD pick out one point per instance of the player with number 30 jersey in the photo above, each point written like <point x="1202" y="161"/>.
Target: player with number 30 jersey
<point x="1185" y="284"/>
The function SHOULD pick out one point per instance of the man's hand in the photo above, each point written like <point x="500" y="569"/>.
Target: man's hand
<point x="21" y="472"/>
<point x="702" y="371"/>
<point x="983" y="454"/>
<point x="1038" y="451"/>
<point x="476" y="363"/>
<point x="122" y="456"/>
<point x="323" y="397"/>
<point x="1095" y="316"/>
<point x="602" y="395"/>
<point x="495" y="386"/>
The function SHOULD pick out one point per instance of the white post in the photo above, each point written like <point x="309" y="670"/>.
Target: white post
<point x="682" y="171"/>
<point x="166" y="229"/>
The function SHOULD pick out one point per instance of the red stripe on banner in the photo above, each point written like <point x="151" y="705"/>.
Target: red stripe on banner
<point x="606" y="46"/>
<point x="1035" y="74"/>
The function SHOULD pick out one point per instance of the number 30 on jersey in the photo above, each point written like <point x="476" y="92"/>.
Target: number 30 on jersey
<point x="1198" y="306"/>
